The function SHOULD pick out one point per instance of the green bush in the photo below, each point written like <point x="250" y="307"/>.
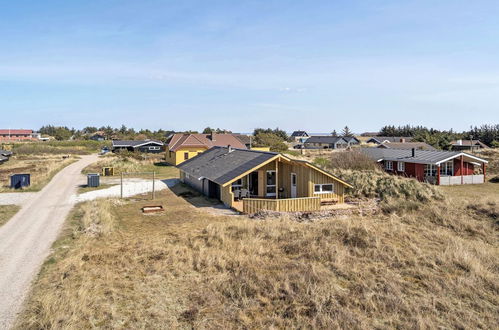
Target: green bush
<point x="275" y="142"/>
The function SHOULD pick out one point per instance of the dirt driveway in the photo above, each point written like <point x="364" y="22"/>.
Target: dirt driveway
<point x="25" y="240"/>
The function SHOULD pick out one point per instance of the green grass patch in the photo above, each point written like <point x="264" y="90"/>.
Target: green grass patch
<point x="162" y="169"/>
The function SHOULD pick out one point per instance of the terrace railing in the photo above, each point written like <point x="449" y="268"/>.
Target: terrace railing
<point x="305" y="204"/>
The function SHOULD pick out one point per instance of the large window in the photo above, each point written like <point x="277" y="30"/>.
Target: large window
<point x="325" y="188"/>
<point x="271" y="183"/>
<point x="401" y="166"/>
<point x="389" y="165"/>
<point x="447" y="168"/>
<point x="430" y="170"/>
<point x="237" y="185"/>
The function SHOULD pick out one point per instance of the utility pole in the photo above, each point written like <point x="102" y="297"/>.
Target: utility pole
<point x="153" y="182"/>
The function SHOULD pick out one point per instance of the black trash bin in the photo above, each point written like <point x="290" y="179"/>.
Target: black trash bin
<point x="18" y="181"/>
<point x="93" y="180"/>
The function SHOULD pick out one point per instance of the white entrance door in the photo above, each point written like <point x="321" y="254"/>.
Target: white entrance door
<point x="293" y="185"/>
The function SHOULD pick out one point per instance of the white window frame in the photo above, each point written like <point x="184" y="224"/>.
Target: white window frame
<point x="321" y="188"/>
<point x="430" y="170"/>
<point x="154" y="148"/>
<point x="401" y="166"/>
<point x="272" y="194"/>
<point x="446" y="168"/>
<point x="389" y="165"/>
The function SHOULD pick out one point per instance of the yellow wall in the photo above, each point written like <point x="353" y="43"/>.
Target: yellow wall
<point x="226" y="195"/>
<point x="177" y="157"/>
<point x="261" y="148"/>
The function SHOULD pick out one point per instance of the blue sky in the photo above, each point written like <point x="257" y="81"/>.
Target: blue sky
<point x="313" y="65"/>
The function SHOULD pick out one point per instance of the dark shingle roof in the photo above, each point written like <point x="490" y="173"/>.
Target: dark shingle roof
<point x="134" y="143"/>
<point x="220" y="166"/>
<point x="299" y="133"/>
<point x="324" y="139"/>
<point x="421" y="156"/>
<point x="350" y="139"/>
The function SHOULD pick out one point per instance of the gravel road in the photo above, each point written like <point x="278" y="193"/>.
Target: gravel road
<point x="25" y="240"/>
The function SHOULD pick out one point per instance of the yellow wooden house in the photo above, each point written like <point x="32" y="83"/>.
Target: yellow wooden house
<point x="251" y="181"/>
<point x="186" y="146"/>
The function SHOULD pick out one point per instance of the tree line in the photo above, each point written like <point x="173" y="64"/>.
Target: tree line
<point x="123" y="133"/>
<point x="488" y="134"/>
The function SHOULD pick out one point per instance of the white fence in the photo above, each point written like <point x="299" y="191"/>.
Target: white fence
<point x="467" y="179"/>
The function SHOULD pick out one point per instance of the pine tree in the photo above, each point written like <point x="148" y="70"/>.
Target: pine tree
<point x="346" y="131"/>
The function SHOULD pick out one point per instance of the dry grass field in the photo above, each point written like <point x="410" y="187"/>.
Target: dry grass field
<point x="433" y="265"/>
<point x="129" y="164"/>
<point x="41" y="167"/>
<point x="58" y="147"/>
<point x="7" y="212"/>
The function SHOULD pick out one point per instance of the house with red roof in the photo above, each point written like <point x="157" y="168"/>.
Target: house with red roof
<point x="182" y="147"/>
<point x="12" y="135"/>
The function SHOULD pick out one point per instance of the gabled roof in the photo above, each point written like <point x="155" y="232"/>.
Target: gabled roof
<point x="15" y="131"/>
<point x="382" y="139"/>
<point x="204" y="141"/>
<point x="222" y="166"/>
<point x="325" y="139"/>
<point x="434" y="157"/>
<point x="299" y="133"/>
<point x="468" y="143"/>
<point x="407" y="145"/>
<point x="350" y="139"/>
<point x="245" y="139"/>
<point x="135" y="143"/>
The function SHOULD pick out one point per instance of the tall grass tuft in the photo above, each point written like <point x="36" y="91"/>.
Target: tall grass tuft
<point x="377" y="184"/>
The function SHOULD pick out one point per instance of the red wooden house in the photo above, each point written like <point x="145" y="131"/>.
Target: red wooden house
<point x="16" y="134"/>
<point x="432" y="166"/>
